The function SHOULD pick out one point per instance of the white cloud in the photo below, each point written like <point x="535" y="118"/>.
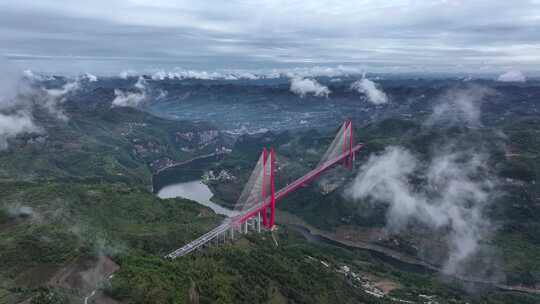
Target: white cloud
<point x="32" y="76"/>
<point x="127" y="99"/>
<point x="29" y="74"/>
<point x="132" y="99"/>
<point x="512" y="76"/>
<point x="67" y="88"/>
<point x="160" y="75"/>
<point x="205" y="75"/>
<point x="374" y="93"/>
<point x="243" y="74"/>
<point x="140" y="84"/>
<point x="15" y="107"/>
<point x="303" y="86"/>
<point x="21" y="96"/>
<point x="459" y="107"/>
<point x="90" y="77"/>
<point x="451" y="200"/>
<point x="186" y="74"/>
<point x="56" y="97"/>
<point x="15" y="124"/>
<point x="18" y="210"/>
<point x="127" y="73"/>
<point x="162" y="94"/>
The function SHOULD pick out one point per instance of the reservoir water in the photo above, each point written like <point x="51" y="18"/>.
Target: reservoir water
<point x="195" y="191"/>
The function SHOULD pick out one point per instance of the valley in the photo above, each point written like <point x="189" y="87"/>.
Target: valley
<point x="83" y="203"/>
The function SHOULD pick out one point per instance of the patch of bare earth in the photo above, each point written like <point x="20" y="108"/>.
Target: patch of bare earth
<point x="386" y="286"/>
<point x="11" y="223"/>
<point x="84" y="275"/>
<point x="36" y="276"/>
<point x="193" y="294"/>
<point x="101" y="298"/>
<point x="364" y="235"/>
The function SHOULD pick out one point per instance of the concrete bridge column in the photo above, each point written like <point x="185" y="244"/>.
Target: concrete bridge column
<point x="259" y="222"/>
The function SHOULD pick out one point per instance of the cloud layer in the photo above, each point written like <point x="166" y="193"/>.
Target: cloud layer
<point x="459" y="107"/>
<point x="55" y="97"/>
<point x="374" y="94"/>
<point x="304" y="86"/>
<point x="13" y="125"/>
<point x="127" y="99"/>
<point x="512" y="76"/>
<point x="20" y="98"/>
<point x="452" y="199"/>
<point x="131" y="99"/>
<point x="447" y="193"/>
<point x="15" y="116"/>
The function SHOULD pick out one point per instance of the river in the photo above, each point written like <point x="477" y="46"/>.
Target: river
<point x="196" y="191"/>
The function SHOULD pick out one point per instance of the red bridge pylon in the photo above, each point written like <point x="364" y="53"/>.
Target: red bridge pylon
<point x="268" y="189"/>
<point x="348" y="143"/>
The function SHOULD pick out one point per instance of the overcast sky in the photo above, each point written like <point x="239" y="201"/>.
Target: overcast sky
<point x="108" y="36"/>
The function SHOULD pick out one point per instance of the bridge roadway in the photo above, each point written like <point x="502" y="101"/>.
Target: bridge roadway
<point x="238" y="220"/>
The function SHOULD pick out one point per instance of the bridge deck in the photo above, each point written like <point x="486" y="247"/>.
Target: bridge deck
<point x="205" y="238"/>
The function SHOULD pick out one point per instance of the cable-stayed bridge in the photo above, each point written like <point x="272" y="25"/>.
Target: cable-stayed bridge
<point x="256" y="204"/>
